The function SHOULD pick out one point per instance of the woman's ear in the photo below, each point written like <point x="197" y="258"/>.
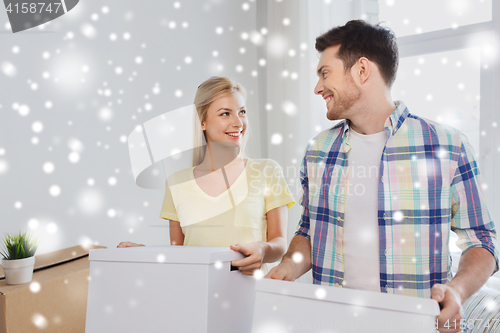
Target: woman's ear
<point x="203" y="127"/>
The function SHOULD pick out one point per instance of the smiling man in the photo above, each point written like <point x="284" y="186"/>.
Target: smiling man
<point x="384" y="188"/>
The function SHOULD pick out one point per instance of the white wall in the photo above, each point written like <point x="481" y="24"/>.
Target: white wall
<point x="296" y="114"/>
<point x="81" y="212"/>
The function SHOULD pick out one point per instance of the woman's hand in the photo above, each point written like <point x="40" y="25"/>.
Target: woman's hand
<point x="254" y="253"/>
<point x="129" y="244"/>
<point x="261" y="252"/>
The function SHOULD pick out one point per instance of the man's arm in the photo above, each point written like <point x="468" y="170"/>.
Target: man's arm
<point x="295" y="262"/>
<point x="477" y="238"/>
<point x="475" y="267"/>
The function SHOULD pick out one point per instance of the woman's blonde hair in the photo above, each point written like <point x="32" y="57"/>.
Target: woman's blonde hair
<point x="209" y="91"/>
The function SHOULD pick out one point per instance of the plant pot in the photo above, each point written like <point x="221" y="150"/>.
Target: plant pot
<point x="18" y="271"/>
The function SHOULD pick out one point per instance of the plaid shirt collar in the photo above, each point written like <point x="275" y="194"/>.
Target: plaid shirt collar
<point x="391" y="125"/>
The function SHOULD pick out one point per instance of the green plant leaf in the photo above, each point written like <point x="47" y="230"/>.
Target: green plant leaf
<point x="19" y="246"/>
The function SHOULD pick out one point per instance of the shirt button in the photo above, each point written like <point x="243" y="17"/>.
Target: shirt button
<point x="385" y="252"/>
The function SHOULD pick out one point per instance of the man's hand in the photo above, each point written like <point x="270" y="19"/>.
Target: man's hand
<point x="254" y="253"/>
<point x="475" y="267"/>
<point x="284" y="271"/>
<point x="295" y="262"/>
<point x="449" y="301"/>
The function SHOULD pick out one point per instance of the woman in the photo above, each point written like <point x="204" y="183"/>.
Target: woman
<point x="226" y="199"/>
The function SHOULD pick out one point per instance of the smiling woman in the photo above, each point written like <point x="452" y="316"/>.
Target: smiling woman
<point x="222" y="117"/>
<point x="226" y="198"/>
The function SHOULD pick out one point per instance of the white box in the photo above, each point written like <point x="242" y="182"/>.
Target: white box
<point x="283" y="306"/>
<point x="168" y="289"/>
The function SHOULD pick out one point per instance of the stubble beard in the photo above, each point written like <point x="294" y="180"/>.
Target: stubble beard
<point x="345" y="100"/>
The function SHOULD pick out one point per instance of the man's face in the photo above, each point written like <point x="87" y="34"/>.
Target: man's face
<point x="337" y="88"/>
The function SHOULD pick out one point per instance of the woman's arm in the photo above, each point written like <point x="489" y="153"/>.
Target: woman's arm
<point x="176" y="235"/>
<point x="276" y="229"/>
<point x="128" y="244"/>
<point x="261" y="252"/>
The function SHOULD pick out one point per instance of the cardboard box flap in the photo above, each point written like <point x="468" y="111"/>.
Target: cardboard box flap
<point x="50" y="259"/>
<point x="167" y="254"/>
<point x="363" y="298"/>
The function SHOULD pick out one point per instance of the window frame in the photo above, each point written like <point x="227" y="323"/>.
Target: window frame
<point x="455" y="39"/>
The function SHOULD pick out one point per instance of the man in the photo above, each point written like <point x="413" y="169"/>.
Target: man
<point x="383" y="188"/>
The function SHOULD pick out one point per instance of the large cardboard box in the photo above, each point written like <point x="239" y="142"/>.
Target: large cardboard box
<point x="56" y="299"/>
<point x="283" y="306"/>
<point x="182" y="289"/>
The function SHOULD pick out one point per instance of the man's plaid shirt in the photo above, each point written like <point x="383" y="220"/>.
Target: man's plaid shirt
<point x="429" y="184"/>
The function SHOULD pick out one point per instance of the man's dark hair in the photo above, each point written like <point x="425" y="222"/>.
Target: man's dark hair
<point x="360" y="39"/>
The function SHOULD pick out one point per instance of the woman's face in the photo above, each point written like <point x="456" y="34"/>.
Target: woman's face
<point x="226" y="120"/>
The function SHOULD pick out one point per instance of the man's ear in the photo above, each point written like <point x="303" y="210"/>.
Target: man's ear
<point x="363" y="69"/>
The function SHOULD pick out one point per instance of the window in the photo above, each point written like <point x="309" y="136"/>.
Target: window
<point x="443" y="87"/>
<point x="406" y="17"/>
<point x="448" y="29"/>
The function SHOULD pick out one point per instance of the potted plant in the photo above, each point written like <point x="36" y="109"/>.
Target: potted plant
<point x="18" y="259"/>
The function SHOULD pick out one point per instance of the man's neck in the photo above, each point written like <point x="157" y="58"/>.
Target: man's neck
<point x="372" y="116"/>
